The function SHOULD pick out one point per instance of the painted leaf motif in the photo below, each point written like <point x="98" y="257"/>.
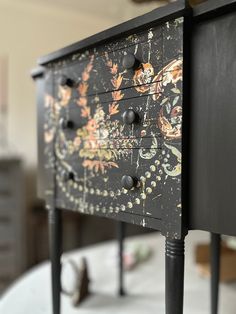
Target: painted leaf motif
<point x="113" y="108"/>
<point x="83" y="88"/>
<point x="117" y="95"/>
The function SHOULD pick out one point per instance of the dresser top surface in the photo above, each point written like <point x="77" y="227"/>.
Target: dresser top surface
<point x="159" y="15"/>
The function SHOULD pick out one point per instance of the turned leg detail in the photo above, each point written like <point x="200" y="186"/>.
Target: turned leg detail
<point x="174" y="276"/>
<point x="55" y="234"/>
<point x="215" y="271"/>
<point x="120" y="236"/>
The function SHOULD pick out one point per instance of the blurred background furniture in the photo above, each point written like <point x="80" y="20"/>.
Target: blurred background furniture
<point x="12" y="220"/>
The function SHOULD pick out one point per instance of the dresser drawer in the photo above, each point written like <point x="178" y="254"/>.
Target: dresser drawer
<point x="136" y="65"/>
<point x="140" y="118"/>
<point x="93" y="180"/>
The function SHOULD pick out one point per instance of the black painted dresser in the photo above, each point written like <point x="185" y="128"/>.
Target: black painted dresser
<point x="137" y="124"/>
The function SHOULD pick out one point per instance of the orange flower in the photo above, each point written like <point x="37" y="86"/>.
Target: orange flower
<point x="116" y="82"/>
<point x="83" y="88"/>
<point x="113" y="108"/>
<point x="117" y="95"/>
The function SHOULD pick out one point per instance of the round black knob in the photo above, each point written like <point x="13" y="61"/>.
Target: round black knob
<point x="66" y="81"/>
<point x="129" y="61"/>
<point x="68" y="176"/>
<point x="130" y="117"/>
<point x="66" y="124"/>
<point x="129" y="182"/>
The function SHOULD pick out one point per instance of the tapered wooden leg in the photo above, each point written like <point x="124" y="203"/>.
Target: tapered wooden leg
<point x="174" y="276"/>
<point x="121" y="235"/>
<point x="55" y="234"/>
<point x="215" y="271"/>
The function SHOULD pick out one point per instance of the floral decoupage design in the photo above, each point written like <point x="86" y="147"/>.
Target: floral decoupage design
<point x="101" y="149"/>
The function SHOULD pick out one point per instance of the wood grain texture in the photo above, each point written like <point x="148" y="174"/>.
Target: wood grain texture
<point x="213" y="127"/>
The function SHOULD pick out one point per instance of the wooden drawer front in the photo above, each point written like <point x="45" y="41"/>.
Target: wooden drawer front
<point x="105" y="71"/>
<point x="96" y="184"/>
<point x="111" y="130"/>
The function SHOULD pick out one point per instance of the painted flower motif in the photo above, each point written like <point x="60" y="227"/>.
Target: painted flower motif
<point x="99" y="115"/>
<point x="143" y="77"/>
<point x="92" y="126"/>
<point x="171" y="125"/>
<point x="64" y="95"/>
<point x="171" y="73"/>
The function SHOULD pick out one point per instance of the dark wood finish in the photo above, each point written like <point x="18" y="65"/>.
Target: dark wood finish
<point x="55" y="236"/>
<point x="215" y="271"/>
<point x="174" y="276"/>
<point x="121" y="236"/>
<point x="213" y="8"/>
<point x="213" y="127"/>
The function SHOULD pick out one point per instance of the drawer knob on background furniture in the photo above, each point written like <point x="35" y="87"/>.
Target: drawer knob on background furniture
<point x="129" y="182"/>
<point x="66" y="81"/>
<point x="130" y="117"/>
<point x="129" y="61"/>
<point x="66" y="124"/>
<point x="68" y="176"/>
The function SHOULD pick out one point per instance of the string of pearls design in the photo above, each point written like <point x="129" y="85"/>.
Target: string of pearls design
<point x="153" y="175"/>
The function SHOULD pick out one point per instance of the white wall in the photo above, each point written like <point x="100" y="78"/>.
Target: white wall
<point x="29" y="29"/>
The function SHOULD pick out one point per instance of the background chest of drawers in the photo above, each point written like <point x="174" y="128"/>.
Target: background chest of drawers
<point x="12" y="221"/>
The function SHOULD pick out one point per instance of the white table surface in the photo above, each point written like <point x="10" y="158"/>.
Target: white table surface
<point x="31" y="294"/>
